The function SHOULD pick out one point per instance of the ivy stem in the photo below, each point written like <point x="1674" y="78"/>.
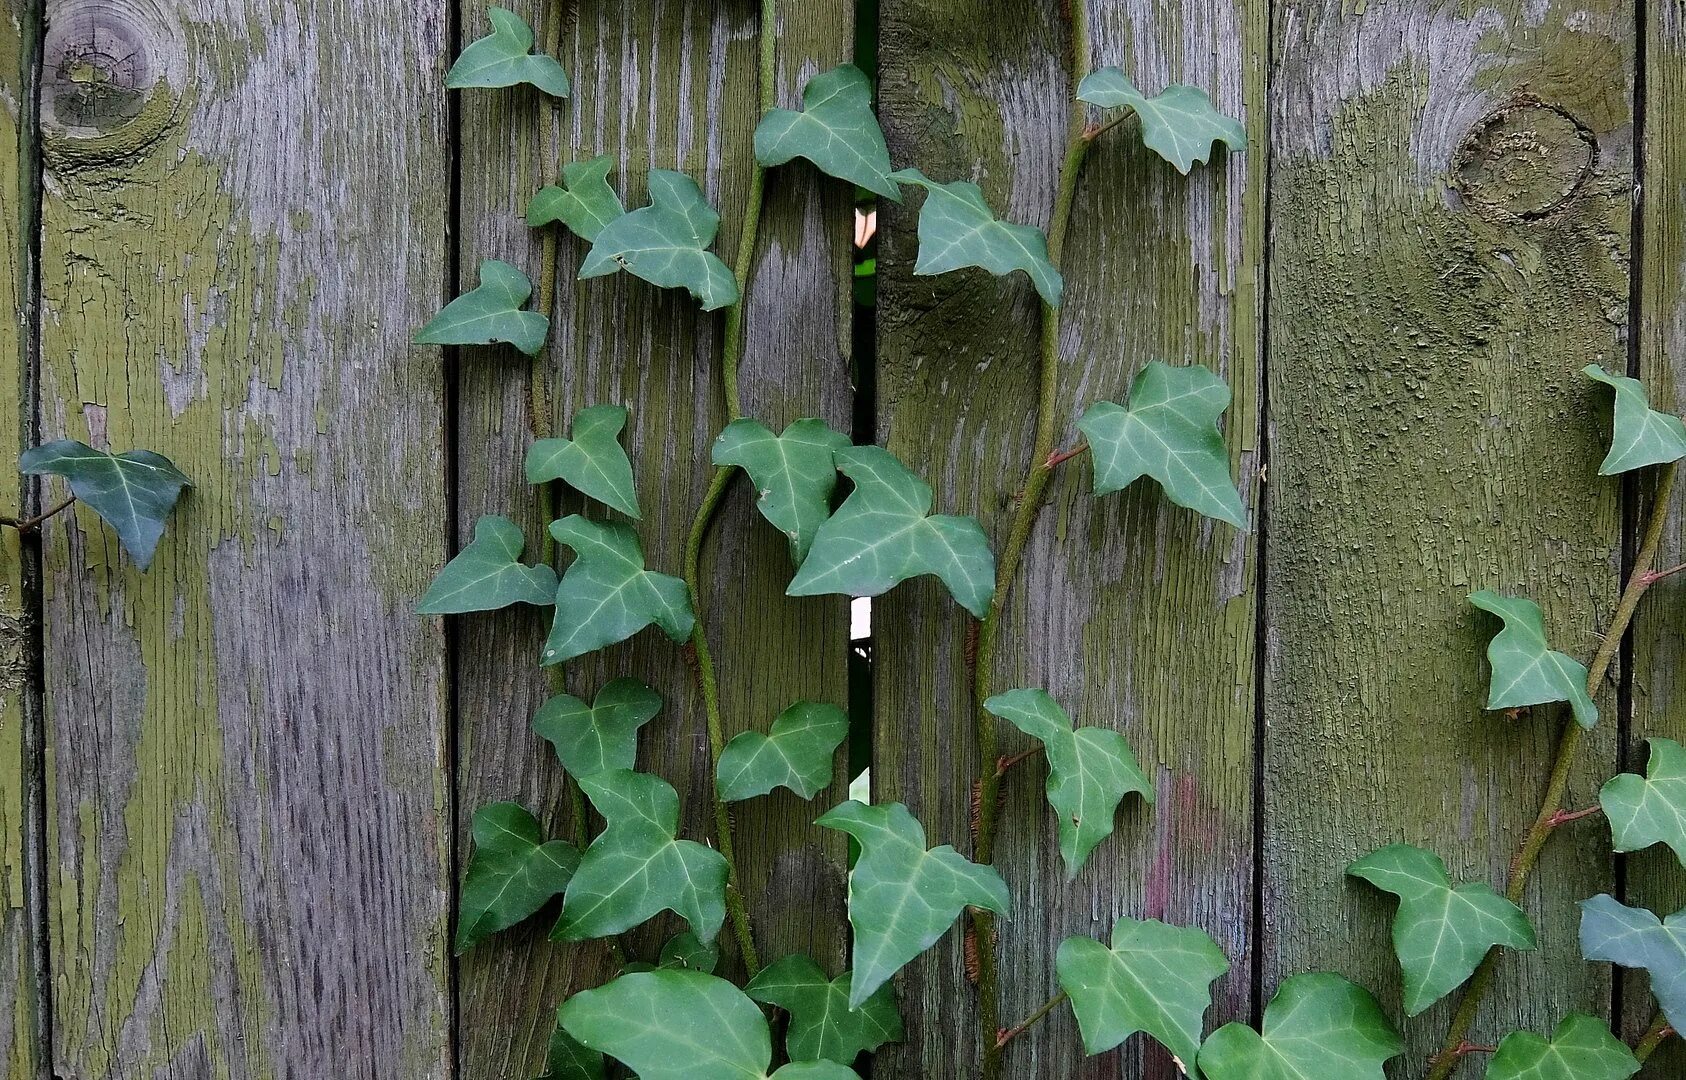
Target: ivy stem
<point x="538" y="382"/>
<point x="1655" y="1035"/>
<point x="1545" y="822"/>
<point x="1060" y="457"/>
<point x="30" y="524"/>
<point x="1564" y="817"/>
<point x="1030" y="1021"/>
<point x="1657" y="575"/>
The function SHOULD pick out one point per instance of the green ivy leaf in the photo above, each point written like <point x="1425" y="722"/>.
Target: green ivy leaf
<point x="1155" y="978"/>
<point x="1180" y="124"/>
<point x="1440" y="933"/>
<point x="796" y="754"/>
<point x="592" y="462"/>
<point x="133" y="492"/>
<point x="1525" y="670"/>
<point x="584" y="204"/>
<point x="602" y="736"/>
<point x="490" y="313"/>
<point x="488" y="574"/>
<point x="822" y="1025"/>
<point x="881" y="536"/>
<point x="1642" y="436"/>
<point x="512" y="873"/>
<point x="606" y="595"/>
<point x="1169" y="433"/>
<point x="636" y="869"/>
<point x="1635" y="938"/>
<point x="1317" y="1026"/>
<point x="569" y="1059"/>
<point x="1090" y="770"/>
<point x="793" y="472"/>
<point x="685" y="951"/>
<point x="501" y="59"/>
<point x="957" y="229"/>
<point x="901" y="896"/>
<point x="1650" y="809"/>
<point x="666" y="243"/>
<point x="1582" y="1049"/>
<point x="836" y="130"/>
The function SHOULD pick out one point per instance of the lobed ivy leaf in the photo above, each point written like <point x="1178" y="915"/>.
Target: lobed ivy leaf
<point x="490" y="313"/>
<point x="793" y="472"/>
<point x="1635" y="938"/>
<point x="1169" y="433"/>
<point x="584" y="204"/>
<point x="1650" y="809"/>
<point x="958" y="229"/>
<point x="513" y="872"/>
<point x="606" y="595"/>
<point x="488" y="574"/>
<point x="1090" y="770"/>
<point x="796" y="754"/>
<point x="1440" y="933"/>
<point x="1179" y="123"/>
<point x="133" y="492"/>
<point x="602" y="736"/>
<point x="836" y="130"/>
<point x="1642" y="436"/>
<point x="1155" y="978"/>
<point x="1581" y="1049"/>
<point x="881" y="536"/>
<point x="592" y="462"/>
<point x="1525" y="669"/>
<point x="901" y="896"/>
<point x="822" y="1025"/>
<point x="666" y="243"/>
<point x="1317" y="1027"/>
<point x="636" y="869"/>
<point x="569" y="1059"/>
<point x="502" y="58"/>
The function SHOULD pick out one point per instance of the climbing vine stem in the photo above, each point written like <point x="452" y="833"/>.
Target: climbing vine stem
<point x="1654" y="1036"/>
<point x="29" y="524"/>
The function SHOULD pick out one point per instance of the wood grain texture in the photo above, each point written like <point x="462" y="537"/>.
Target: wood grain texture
<point x="1136" y="615"/>
<point x="1450" y="205"/>
<point x="244" y="218"/>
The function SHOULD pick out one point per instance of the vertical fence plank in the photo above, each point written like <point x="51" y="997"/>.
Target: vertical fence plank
<point x="244" y="216"/>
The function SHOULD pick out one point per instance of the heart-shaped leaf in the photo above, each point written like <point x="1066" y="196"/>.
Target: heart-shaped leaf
<point x="501" y="59"/>
<point x="881" y="536"/>
<point x="514" y="871"/>
<point x="1650" y="809"/>
<point x="1169" y="433"/>
<point x="606" y="595"/>
<point x="836" y="130"/>
<point x="901" y="896"/>
<point x="602" y="736"/>
<point x="1525" y="669"/>
<point x="958" y="229"/>
<point x="133" y="492"/>
<point x="592" y="462"/>
<point x="569" y="1059"/>
<point x="1440" y="933"/>
<point x="584" y="204"/>
<point x="1582" y="1049"/>
<point x="666" y="243"/>
<point x="488" y="574"/>
<point x="490" y="313"/>
<point x="1179" y="123"/>
<point x="822" y="1025"/>
<point x="1635" y="938"/>
<point x="1642" y="436"/>
<point x="1317" y="1027"/>
<point x="793" y="473"/>
<point x="1090" y="770"/>
<point x="796" y="754"/>
<point x="1155" y="978"/>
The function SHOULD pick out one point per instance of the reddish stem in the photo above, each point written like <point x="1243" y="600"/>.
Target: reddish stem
<point x="1003" y="763"/>
<point x="1064" y="455"/>
<point x="1564" y="817"/>
<point x="1651" y="577"/>
<point x="28" y="524"/>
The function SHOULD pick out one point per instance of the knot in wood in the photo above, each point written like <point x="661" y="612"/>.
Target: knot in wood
<point x="1523" y="162"/>
<point x="111" y="68"/>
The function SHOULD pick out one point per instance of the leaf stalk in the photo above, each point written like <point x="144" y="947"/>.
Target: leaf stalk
<point x="1007" y="1036"/>
<point x="30" y="524"/>
<point x="1658" y="1033"/>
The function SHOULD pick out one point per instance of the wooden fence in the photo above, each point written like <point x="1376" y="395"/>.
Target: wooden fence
<point x="234" y="790"/>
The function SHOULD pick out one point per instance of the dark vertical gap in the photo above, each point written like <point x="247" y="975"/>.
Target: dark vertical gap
<point x="453" y="711"/>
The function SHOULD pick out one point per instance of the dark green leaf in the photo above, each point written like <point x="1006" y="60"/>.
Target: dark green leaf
<point x="488" y="574"/>
<point x="1317" y="1027"/>
<point x="1650" y="809"/>
<point x="822" y="1026"/>
<point x="1180" y="123"/>
<point x="512" y="873"/>
<point x="1642" y="435"/>
<point x="797" y="753"/>
<point x="592" y="462"/>
<point x="683" y="950"/>
<point x="568" y="1059"/>
<point x="501" y="59"/>
<point x="490" y="313"/>
<point x="666" y="243"/>
<point x="1582" y="1049"/>
<point x="1155" y="978"/>
<point x="957" y="229"/>
<point x="793" y="472"/>
<point x="836" y="130"/>
<point x="1635" y="938"/>
<point x="584" y="205"/>
<point x="606" y="595"/>
<point x="133" y="492"/>
<point x="602" y="736"/>
<point x="1525" y="669"/>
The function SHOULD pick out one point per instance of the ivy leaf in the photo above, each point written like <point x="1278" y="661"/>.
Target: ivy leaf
<point x="1525" y="670"/>
<point x="881" y="536"/>
<point x="796" y="754"/>
<point x="1642" y="436"/>
<point x="822" y="1025"/>
<point x="1440" y="933"/>
<point x="1318" y="1025"/>
<point x="569" y="1059"/>
<point x="958" y="229"/>
<point x="490" y="313"/>
<point x="584" y="204"/>
<point x="133" y="492"/>
<point x="488" y="574"/>
<point x="501" y="59"/>
<point x="1582" y="1049"/>
<point x="1179" y="123"/>
<point x="1635" y="938"/>
<point x="1650" y="809"/>
<point x="592" y="462"/>
<point x="635" y="869"/>
<point x="606" y="595"/>
<point x="1155" y="978"/>
<point x="1169" y="433"/>
<point x="901" y="896"/>
<point x="836" y="130"/>
<point x="793" y="472"/>
<point x="1090" y="770"/>
<point x="666" y="243"/>
<point x="602" y="736"/>
<point x="686" y="951"/>
<point x="512" y="873"/>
